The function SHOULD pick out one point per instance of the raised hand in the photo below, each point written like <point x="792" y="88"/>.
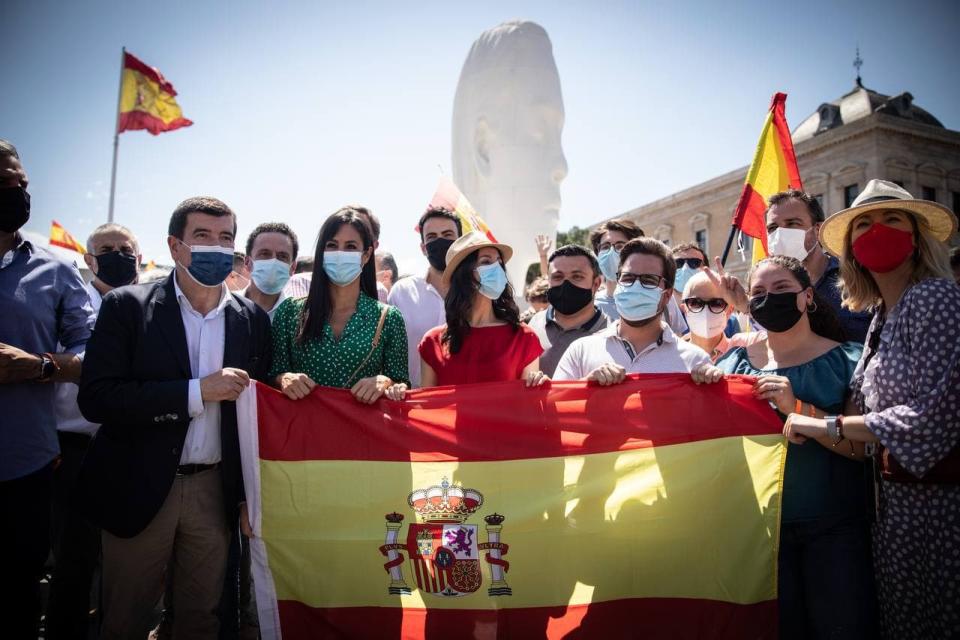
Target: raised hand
<point x="730" y="287"/>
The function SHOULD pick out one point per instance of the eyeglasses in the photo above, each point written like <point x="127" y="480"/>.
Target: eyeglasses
<point x="696" y="305"/>
<point x="693" y="263"/>
<point x="647" y="280"/>
<point x="617" y="246"/>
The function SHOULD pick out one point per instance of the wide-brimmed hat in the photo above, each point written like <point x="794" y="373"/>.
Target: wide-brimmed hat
<point x="880" y="194"/>
<point x="467" y="244"/>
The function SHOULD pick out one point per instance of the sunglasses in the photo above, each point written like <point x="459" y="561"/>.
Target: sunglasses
<point x="693" y="263"/>
<point x="696" y="305"/>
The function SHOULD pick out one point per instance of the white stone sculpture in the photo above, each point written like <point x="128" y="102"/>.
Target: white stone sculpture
<point x="507" y="121"/>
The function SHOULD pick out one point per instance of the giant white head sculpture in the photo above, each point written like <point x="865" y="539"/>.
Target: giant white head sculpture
<point x="507" y="121"/>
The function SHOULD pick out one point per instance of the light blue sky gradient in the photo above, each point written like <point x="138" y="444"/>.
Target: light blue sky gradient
<point x="301" y="108"/>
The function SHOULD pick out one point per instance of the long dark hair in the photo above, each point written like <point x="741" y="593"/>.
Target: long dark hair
<point x="823" y="320"/>
<point x="459" y="303"/>
<point x="317" y="310"/>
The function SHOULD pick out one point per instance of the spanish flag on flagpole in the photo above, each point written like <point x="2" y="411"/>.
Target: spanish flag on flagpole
<point x="60" y="237"/>
<point x="147" y="99"/>
<point x="448" y="196"/>
<point x="774" y="169"/>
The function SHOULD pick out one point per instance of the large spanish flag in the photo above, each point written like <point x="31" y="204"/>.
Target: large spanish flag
<point x="774" y="169"/>
<point x="147" y="100"/>
<point x="449" y="196"/>
<point x="647" y="509"/>
<point x="60" y="237"/>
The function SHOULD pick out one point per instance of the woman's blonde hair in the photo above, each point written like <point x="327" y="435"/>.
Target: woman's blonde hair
<point x="858" y="289"/>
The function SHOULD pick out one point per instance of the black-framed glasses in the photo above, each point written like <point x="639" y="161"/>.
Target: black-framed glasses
<point x="617" y="246"/>
<point x="693" y="263"/>
<point x="646" y="280"/>
<point x="716" y="305"/>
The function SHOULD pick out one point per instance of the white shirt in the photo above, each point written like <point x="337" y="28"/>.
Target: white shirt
<point x="667" y="355"/>
<point x="422" y="308"/>
<point x="276" y="305"/>
<point x="65" y="406"/>
<point x="205" y="340"/>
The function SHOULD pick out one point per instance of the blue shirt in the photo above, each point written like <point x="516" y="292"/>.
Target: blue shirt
<point x="854" y="323"/>
<point x="817" y="483"/>
<point x="43" y="304"/>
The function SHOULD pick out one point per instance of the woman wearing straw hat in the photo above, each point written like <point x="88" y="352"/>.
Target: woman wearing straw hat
<point x="907" y="394"/>
<point x="483" y="339"/>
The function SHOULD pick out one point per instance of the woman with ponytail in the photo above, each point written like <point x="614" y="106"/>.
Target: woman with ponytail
<point x="803" y="365"/>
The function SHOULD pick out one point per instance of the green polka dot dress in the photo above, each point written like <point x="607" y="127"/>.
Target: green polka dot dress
<point x="329" y="361"/>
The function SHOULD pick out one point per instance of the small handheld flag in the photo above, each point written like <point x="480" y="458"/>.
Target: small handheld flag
<point x="774" y="169"/>
<point x="448" y="196"/>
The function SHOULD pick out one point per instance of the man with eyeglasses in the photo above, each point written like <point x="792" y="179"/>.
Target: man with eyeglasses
<point x="607" y="241"/>
<point x="639" y="341"/>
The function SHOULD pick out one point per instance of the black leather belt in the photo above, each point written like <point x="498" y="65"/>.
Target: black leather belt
<point x="190" y="469"/>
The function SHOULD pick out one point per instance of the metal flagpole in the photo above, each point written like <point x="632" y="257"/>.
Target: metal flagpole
<point x="116" y="136"/>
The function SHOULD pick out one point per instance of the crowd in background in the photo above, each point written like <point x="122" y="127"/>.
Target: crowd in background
<point x="119" y="454"/>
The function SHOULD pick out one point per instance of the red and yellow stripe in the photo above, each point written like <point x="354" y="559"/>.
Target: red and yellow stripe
<point x="774" y="169"/>
<point x="147" y="100"/>
<point x="60" y="237"/>
<point x="449" y="196"/>
<point x="650" y="507"/>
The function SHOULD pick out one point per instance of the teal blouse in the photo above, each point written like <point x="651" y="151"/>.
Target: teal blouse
<point x="817" y="483"/>
<point x="331" y="362"/>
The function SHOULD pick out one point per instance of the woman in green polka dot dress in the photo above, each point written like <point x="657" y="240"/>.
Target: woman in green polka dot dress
<point x="328" y="337"/>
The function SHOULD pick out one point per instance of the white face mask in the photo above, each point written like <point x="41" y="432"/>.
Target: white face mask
<point x="788" y="242"/>
<point x="706" y="324"/>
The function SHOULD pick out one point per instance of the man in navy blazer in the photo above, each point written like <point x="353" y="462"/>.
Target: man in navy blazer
<point x="162" y="476"/>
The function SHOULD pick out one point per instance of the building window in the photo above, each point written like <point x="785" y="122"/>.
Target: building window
<point x="929" y="193"/>
<point x="700" y="239"/>
<point x="819" y="199"/>
<point x="956" y="202"/>
<point x="850" y="193"/>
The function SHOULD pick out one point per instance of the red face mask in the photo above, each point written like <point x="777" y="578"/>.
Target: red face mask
<point x="882" y="248"/>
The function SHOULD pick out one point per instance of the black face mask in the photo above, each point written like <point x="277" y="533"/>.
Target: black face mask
<point x="14" y="208"/>
<point x="567" y="298"/>
<point x="776" y="312"/>
<point x="116" y="268"/>
<point x="437" y="253"/>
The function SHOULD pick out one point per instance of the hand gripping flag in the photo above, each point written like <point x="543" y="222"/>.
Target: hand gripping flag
<point x="647" y="509"/>
<point x="147" y="100"/>
<point x="60" y="237"/>
<point x="449" y="197"/>
<point x="774" y="169"/>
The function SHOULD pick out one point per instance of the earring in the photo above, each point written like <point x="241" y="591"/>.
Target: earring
<point x="812" y="307"/>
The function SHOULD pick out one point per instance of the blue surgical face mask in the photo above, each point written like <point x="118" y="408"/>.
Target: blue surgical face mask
<point x="209" y="264"/>
<point x="342" y="267"/>
<point x="635" y="302"/>
<point x="609" y="261"/>
<point x="493" y="280"/>
<point x="270" y="276"/>
<point x="684" y="274"/>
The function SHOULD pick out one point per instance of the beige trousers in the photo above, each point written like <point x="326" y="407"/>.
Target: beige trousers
<point x="190" y="535"/>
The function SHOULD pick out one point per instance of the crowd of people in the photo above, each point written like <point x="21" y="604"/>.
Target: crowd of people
<point x="119" y="450"/>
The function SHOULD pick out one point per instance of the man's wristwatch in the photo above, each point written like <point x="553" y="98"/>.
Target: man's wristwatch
<point x="48" y="367"/>
<point x="834" y="428"/>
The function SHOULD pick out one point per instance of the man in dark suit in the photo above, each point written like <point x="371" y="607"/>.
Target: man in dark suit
<point x="162" y="477"/>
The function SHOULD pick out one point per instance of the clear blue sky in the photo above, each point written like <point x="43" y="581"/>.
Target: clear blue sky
<point x="301" y="108"/>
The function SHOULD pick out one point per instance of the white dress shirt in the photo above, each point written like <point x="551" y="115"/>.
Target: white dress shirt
<point x="205" y="340"/>
<point x="666" y="355"/>
<point x="276" y="305"/>
<point x="65" y="406"/>
<point x="422" y="308"/>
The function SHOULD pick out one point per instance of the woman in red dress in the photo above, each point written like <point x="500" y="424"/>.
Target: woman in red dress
<point x="483" y="339"/>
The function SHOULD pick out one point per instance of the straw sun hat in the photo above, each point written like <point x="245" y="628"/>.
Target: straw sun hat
<point x="880" y="194"/>
<point x="467" y="244"/>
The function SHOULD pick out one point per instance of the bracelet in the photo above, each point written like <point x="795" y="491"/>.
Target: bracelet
<point x="832" y="431"/>
<point x="840" y="435"/>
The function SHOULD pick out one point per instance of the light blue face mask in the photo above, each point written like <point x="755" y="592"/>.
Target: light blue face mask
<point x="493" y="280"/>
<point x="684" y="274"/>
<point x="609" y="261"/>
<point x="270" y="276"/>
<point x="635" y="302"/>
<point x="342" y="267"/>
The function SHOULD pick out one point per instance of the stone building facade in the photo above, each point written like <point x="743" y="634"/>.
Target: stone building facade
<point x="845" y="143"/>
